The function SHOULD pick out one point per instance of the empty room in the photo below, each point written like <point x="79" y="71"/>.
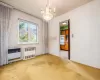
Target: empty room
<point x="49" y="39"/>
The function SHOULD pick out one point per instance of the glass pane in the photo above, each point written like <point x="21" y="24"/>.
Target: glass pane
<point x="23" y="32"/>
<point x="62" y="39"/>
<point x="33" y="32"/>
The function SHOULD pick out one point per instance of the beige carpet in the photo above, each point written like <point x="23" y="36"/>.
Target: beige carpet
<point x="48" y="67"/>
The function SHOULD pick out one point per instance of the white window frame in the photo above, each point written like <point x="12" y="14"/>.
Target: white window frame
<point x="28" y="37"/>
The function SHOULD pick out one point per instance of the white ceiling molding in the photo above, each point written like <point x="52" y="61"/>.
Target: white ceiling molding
<point x="28" y="13"/>
<point x="33" y="7"/>
<point x="12" y="7"/>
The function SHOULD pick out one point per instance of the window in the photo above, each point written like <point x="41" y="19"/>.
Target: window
<point x="27" y="32"/>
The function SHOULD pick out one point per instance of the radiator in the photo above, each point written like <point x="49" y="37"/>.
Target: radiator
<point x="29" y="53"/>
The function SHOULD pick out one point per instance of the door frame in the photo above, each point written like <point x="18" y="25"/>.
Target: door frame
<point x="68" y="37"/>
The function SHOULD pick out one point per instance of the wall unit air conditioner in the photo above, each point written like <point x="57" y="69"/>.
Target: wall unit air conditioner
<point x="14" y="55"/>
<point x="29" y="52"/>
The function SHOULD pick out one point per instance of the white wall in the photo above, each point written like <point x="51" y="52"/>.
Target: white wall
<point x="13" y="31"/>
<point x="85" y="26"/>
<point x="63" y="54"/>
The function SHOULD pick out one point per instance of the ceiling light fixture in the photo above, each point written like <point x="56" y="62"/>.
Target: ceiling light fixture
<point x="48" y="13"/>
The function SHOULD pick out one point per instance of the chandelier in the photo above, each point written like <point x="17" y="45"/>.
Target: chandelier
<point x="48" y="13"/>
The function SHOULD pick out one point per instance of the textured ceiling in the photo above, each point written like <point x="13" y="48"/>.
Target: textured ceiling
<point x="34" y="6"/>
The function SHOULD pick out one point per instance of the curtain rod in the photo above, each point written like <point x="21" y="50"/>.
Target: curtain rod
<point x="7" y="5"/>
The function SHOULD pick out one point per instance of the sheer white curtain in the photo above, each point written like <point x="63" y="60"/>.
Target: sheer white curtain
<point x="45" y="37"/>
<point x="4" y="25"/>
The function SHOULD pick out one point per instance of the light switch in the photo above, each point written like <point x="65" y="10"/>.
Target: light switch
<point x="72" y="35"/>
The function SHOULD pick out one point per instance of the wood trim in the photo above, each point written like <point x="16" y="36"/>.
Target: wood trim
<point x="69" y="39"/>
<point x="64" y="50"/>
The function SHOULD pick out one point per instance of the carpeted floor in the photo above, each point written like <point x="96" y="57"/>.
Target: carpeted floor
<point x="48" y="67"/>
